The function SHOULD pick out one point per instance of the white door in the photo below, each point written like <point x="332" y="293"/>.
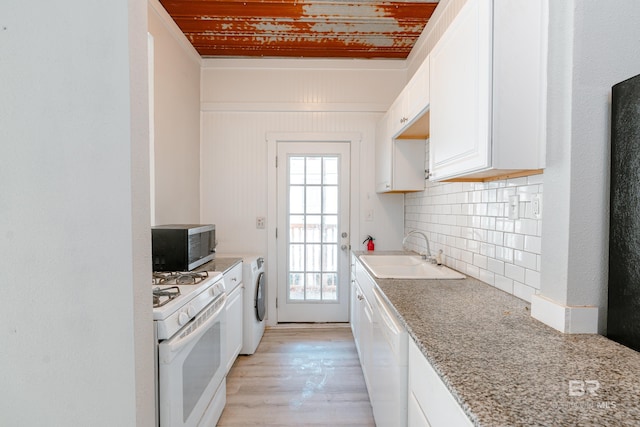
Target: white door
<point x="313" y="232"/>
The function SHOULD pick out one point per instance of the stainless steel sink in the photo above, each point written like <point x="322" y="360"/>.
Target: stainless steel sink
<point x="407" y="267"/>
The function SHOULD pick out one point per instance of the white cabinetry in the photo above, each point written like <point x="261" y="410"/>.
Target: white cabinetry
<point x="381" y="341"/>
<point x="400" y="137"/>
<point x="361" y="320"/>
<point x="488" y="91"/>
<point x="233" y="282"/>
<point x="430" y="402"/>
<point x="361" y="326"/>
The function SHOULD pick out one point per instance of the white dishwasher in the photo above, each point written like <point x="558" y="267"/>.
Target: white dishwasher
<point x="389" y="366"/>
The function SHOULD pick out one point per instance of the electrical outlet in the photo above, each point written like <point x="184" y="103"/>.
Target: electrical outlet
<point x="260" y="222"/>
<point x="514" y="207"/>
<point x="536" y="206"/>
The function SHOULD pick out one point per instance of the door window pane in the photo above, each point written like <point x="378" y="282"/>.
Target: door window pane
<point x="296" y="228"/>
<point x="296" y="199"/>
<point x="314" y="170"/>
<point x="330" y="228"/>
<point x="330" y="171"/>
<point x="330" y="199"/>
<point x="296" y="286"/>
<point x="313" y="228"/>
<point x="296" y="170"/>
<point x="314" y="199"/>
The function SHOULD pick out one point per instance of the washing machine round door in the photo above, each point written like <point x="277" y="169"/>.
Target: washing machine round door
<point x="261" y="296"/>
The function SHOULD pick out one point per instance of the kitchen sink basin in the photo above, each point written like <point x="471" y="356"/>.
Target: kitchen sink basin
<point x="407" y="267"/>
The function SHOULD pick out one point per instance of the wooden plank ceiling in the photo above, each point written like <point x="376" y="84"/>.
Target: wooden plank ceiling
<point x="301" y="28"/>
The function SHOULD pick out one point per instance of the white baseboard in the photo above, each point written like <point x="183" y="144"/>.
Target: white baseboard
<point x="566" y="319"/>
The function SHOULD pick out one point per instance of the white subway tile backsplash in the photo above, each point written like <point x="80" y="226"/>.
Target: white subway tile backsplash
<point x="526" y="226"/>
<point x="487" y="277"/>
<point x="523" y="291"/>
<point x="533" y="244"/>
<point x="495" y="266"/>
<point x="495" y="237"/>
<point x="517" y="182"/>
<point x="488" y="250"/>
<point x="515" y="241"/>
<point x="473" y="271"/>
<point x="480" y="261"/>
<point x="504" y="254"/>
<point x="505" y="193"/>
<point x="525" y="259"/>
<point x="469" y="222"/>
<point x="504" y="284"/>
<point x="535" y="179"/>
<point x="532" y="278"/>
<point x="514" y="272"/>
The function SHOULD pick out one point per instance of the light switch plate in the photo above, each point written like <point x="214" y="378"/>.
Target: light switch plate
<point x="514" y="207"/>
<point x="260" y="222"/>
<point x="369" y="215"/>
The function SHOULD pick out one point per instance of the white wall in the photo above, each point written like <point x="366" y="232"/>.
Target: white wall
<point x="177" y="121"/>
<point x="73" y="241"/>
<point x="592" y="47"/>
<point x="244" y="100"/>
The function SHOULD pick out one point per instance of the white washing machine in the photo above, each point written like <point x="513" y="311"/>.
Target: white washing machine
<point x="255" y="302"/>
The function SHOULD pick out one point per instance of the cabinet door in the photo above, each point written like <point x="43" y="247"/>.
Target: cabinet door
<point x="460" y="96"/>
<point x="354" y="316"/>
<point x="234" y="325"/>
<point x="417" y="92"/>
<point x="383" y="154"/>
<point x="415" y="416"/>
<point x="366" y="332"/>
<point x="409" y="157"/>
<point x="431" y="395"/>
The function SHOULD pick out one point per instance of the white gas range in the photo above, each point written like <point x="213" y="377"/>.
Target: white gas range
<point x="190" y="328"/>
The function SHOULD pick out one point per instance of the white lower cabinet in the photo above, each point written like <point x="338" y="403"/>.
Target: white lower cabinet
<point x="234" y="311"/>
<point x="416" y="417"/>
<point x="381" y="341"/>
<point x="430" y="402"/>
<point x="361" y="326"/>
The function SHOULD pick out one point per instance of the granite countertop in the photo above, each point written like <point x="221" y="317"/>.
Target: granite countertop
<point x="222" y="264"/>
<point x="506" y="368"/>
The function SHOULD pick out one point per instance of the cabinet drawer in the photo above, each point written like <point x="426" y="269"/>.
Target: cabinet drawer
<point x="437" y="403"/>
<point x="233" y="277"/>
<point x="415" y="416"/>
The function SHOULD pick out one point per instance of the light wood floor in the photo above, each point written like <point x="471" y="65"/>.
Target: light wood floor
<point x="299" y="377"/>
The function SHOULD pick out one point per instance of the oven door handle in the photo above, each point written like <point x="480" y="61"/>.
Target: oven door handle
<point x="174" y="346"/>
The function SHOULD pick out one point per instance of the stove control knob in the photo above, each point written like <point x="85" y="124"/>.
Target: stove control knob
<point x="191" y="312"/>
<point x="183" y="318"/>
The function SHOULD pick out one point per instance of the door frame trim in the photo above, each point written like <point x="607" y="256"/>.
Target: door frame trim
<point x="272" y="138"/>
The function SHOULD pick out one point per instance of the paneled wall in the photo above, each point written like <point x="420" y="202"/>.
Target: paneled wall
<point x="244" y="100"/>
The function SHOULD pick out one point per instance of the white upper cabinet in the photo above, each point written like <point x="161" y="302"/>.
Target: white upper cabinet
<point x="401" y="135"/>
<point x="488" y="91"/>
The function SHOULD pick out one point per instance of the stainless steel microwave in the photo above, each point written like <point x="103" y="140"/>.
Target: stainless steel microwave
<point x="182" y="247"/>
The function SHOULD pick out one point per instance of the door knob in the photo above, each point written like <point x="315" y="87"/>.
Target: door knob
<point x="344" y="234"/>
<point x="343" y="247"/>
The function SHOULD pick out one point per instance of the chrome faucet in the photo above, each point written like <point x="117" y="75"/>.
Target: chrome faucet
<point x="426" y="255"/>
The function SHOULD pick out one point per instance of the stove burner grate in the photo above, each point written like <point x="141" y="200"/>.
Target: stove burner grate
<point x="163" y="296"/>
<point x="179" y="278"/>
